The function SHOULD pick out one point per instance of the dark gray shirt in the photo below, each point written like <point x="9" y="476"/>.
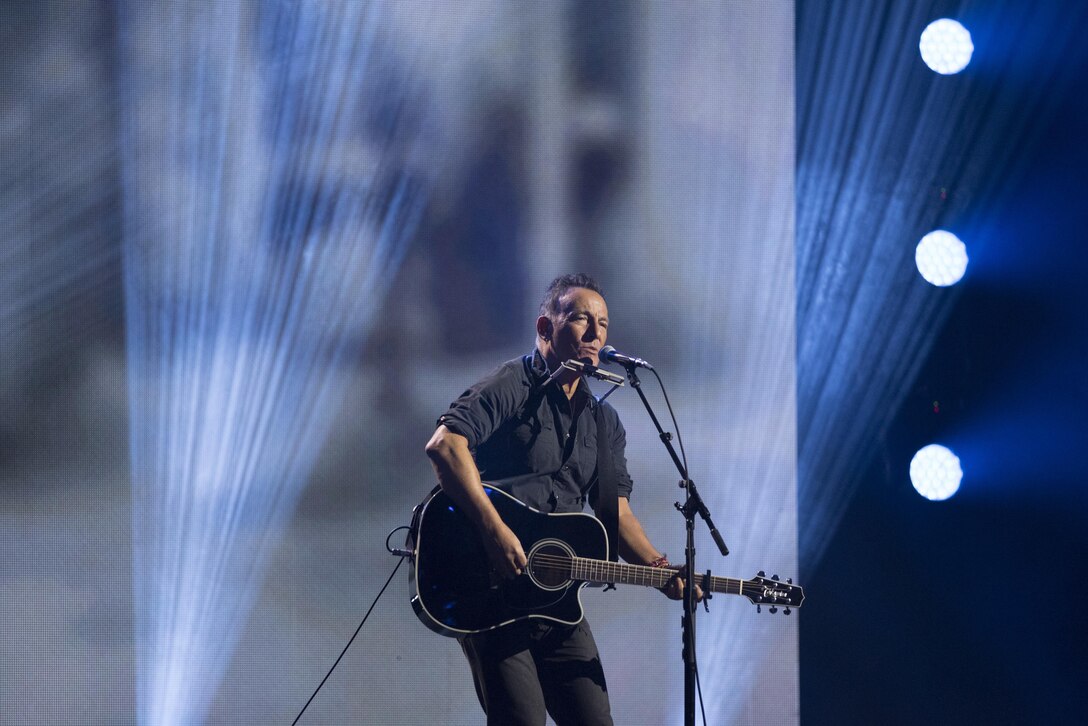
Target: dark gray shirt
<point x="534" y="443"/>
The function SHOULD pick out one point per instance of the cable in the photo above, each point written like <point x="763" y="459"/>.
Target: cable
<point x="398" y="551"/>
<point x="679" y="438"/>
<point x="345" y="650"/>
<point x="699" y="690"/>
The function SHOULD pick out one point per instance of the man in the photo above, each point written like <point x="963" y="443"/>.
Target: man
<point x="540" y="445"/>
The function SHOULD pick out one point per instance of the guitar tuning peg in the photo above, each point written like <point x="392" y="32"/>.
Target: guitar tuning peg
<point x="773" y="610"/>
<point x="761" y="573"/>
<point x="789" y="580"/>
<point x="774" y="577"/>
<point x="787" y="611"/>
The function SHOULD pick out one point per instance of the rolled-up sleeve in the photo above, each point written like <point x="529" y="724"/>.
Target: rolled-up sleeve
<point x="624" y="485"/>
<point x="480" y="410"/>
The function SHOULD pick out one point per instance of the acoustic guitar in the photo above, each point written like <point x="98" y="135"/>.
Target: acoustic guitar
<point x="455" y="591"/>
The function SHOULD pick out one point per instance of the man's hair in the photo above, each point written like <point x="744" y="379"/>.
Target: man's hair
<point x="549" y="306"/>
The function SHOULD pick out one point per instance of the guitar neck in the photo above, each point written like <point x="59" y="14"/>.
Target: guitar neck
<point x="604" y="571"/>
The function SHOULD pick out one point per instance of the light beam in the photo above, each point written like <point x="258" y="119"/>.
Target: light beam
<point x="271" y="177"/>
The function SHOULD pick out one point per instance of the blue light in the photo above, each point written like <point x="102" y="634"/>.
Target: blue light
<point x="935" y="472"/>
<point x="252" y="268"/>
<point x="946" y="46"/>
<point x="941" y="258"/>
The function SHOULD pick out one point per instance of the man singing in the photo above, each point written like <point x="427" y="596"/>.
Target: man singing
<point x="540" y="444"/>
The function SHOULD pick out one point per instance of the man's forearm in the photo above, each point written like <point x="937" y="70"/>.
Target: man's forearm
<point x="634" y="545"/>
<point x="460" y="479"/>
<point x="458" y="476"/>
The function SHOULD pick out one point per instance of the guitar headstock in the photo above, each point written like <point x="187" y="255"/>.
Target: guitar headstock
<point x="762" y="590"/>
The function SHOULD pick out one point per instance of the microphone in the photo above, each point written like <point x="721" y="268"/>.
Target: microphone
<point x="612" y="355"/>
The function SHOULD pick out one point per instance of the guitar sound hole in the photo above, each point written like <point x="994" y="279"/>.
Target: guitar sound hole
<point x="549" y="565"/>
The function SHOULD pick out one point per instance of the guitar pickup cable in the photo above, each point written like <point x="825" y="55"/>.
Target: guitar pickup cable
<point x="401" y="553"/>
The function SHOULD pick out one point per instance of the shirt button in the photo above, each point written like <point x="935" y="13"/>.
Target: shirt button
<point x="565" y="468"/>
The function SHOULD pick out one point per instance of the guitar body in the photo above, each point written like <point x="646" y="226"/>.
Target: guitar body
<point x="454" y="590"/>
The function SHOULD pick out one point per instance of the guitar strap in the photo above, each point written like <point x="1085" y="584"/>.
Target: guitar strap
<point x="607" y="506"/>
<point x="536" y="393"/>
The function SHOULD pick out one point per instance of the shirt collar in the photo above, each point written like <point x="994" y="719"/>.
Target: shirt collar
<point x="538" y="366"/>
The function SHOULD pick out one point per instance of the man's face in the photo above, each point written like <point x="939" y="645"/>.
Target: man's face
<point x="580" y="329"/>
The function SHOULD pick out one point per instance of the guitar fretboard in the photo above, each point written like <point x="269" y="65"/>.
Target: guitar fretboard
<point x="602" y="571"/>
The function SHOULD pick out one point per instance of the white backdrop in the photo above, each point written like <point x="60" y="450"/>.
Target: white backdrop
<point x="694" y="246"/>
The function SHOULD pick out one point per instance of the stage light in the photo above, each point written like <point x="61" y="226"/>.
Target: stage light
<point x="941" y="258"/>
<point x="946" y="46"/>
<point x="935" y="472"/>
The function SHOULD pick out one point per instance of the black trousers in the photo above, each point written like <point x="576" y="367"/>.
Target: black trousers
<point x="522" y="669"/>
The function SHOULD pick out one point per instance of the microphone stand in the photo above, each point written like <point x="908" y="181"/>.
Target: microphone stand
<point x="692" y="505"/>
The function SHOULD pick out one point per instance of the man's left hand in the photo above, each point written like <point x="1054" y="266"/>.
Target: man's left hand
<point x="674" y="590"/>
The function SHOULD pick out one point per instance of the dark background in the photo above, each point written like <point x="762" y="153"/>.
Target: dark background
<point x="969" y="610"/>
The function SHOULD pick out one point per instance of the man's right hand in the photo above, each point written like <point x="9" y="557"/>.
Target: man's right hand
<point x="505" y="551"/>
<point x="458" y="476"/>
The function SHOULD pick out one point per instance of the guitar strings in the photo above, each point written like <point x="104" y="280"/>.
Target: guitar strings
<point x="566" y="565"/>
<point x="646" y="575"/>
<point x="641" y="574"/>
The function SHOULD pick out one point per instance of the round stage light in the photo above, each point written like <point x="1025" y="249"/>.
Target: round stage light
<point x="935" y="472"/>
<point x="941" y="258"/>
<point x="946" y="46"/>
